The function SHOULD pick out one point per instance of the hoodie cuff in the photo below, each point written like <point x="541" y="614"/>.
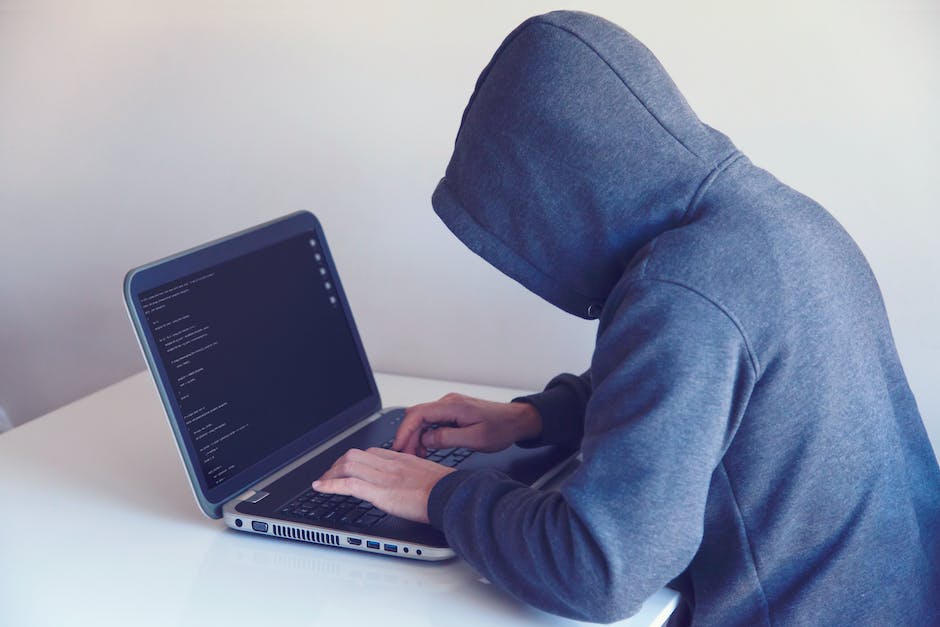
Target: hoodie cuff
<point x="441" y="493"/>
<point x="561" y="407"/>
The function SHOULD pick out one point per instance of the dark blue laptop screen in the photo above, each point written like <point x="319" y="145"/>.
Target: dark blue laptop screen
<point x="257" y="351"/>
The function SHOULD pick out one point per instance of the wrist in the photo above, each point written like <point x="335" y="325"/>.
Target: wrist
<point x="441" y="493"/>
<point x="528" y="421"/>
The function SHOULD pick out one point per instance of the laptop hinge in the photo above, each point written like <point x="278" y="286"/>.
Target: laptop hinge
<point x="252" y="496"/>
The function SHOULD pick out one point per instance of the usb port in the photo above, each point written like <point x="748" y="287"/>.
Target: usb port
<point x="354" y="541"/>
<point x="372" y="544"/>
<point x="391" y="548"/>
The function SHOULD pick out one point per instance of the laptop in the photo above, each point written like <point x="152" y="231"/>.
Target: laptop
<point x="252" y="345"/>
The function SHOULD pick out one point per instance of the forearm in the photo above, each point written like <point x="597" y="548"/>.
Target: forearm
<point x="534" y="545"/>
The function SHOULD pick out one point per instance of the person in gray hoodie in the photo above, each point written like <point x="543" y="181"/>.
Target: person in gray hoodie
<point x="748" y="433"/>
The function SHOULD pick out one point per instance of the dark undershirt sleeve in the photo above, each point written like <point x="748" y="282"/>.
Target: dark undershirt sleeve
<point x="561" y="407"/>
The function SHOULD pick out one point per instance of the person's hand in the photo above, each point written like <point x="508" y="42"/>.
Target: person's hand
<point x="468" y="422"/>
<point x="394" y="482"/>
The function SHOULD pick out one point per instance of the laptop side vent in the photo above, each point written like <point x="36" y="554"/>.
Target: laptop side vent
<point x="305" y="535"/>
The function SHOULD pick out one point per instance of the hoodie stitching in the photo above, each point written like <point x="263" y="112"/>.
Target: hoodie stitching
<point x="622" y="80"/>
<point x="689" y="211"/>
<point x="489" y="66"/>
<point x="752" y="358"/>
<point x="646" y="259"/>
<point x="750" y="543"/>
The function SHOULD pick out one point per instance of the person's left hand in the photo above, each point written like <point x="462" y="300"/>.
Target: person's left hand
<point x="397" y="483"/>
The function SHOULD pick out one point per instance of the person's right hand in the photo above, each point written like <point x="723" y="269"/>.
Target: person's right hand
<point x="466" y="421"/>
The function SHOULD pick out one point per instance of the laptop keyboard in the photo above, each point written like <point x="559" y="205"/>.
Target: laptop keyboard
<point x="318" y="507"/>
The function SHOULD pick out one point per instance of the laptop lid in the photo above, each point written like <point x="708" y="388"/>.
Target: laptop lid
<point x="254" y="351"/>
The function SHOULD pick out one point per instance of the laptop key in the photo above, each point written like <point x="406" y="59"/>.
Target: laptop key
<point x="368" y="520"/>
<point x="351" y="516"/>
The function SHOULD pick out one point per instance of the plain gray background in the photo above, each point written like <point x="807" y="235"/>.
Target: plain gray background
<point x="130" y="130"/>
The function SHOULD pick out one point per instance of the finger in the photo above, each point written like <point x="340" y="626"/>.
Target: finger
<point x="420" y="449"/>
<point x="411" y="442"/>
<point x="350" y="486"/>
<point x="398" y="464"/>
<point x="367" y="457"/>
<point x="420" y="417"/>
<point x="406" y="438"/>
<point x="449" y="437"/>
<point x="367" y="467"/>
<point x="333" y="471"/>
<point x="385" y="453"/>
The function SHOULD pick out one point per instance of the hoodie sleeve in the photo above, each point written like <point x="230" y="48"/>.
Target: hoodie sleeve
<point x="671" y="377"/>
<point x="561" y="406"/>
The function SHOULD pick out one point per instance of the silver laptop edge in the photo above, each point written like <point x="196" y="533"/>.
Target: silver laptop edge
<point x="315" y="534"/>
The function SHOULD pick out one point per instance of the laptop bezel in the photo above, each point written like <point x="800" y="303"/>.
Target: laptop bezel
<point x="194" y="260"/>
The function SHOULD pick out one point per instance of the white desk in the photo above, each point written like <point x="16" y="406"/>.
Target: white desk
<point x="98" y="526"/>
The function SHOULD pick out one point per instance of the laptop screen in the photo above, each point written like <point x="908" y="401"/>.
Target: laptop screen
<point x="256" y="351"/>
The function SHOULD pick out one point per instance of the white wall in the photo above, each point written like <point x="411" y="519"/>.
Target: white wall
<point x="131" y="129"/>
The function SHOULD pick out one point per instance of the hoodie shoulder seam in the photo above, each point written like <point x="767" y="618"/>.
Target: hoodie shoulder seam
<point x="752" y="357"/>
<point x="689" y="211"/>
<point x="622" y="80"/>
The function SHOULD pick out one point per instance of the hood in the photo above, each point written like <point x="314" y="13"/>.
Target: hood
<point x="575" y="150"/>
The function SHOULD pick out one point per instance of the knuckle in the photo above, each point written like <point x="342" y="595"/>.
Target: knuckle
<point x="409" y="424"/>
<point x="413" y="412"/>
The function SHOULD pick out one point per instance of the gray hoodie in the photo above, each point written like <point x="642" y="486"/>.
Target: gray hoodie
<point x="747" y="429"/>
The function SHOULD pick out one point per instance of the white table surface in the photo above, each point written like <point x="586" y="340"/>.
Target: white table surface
<point x="98" y="526"/>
